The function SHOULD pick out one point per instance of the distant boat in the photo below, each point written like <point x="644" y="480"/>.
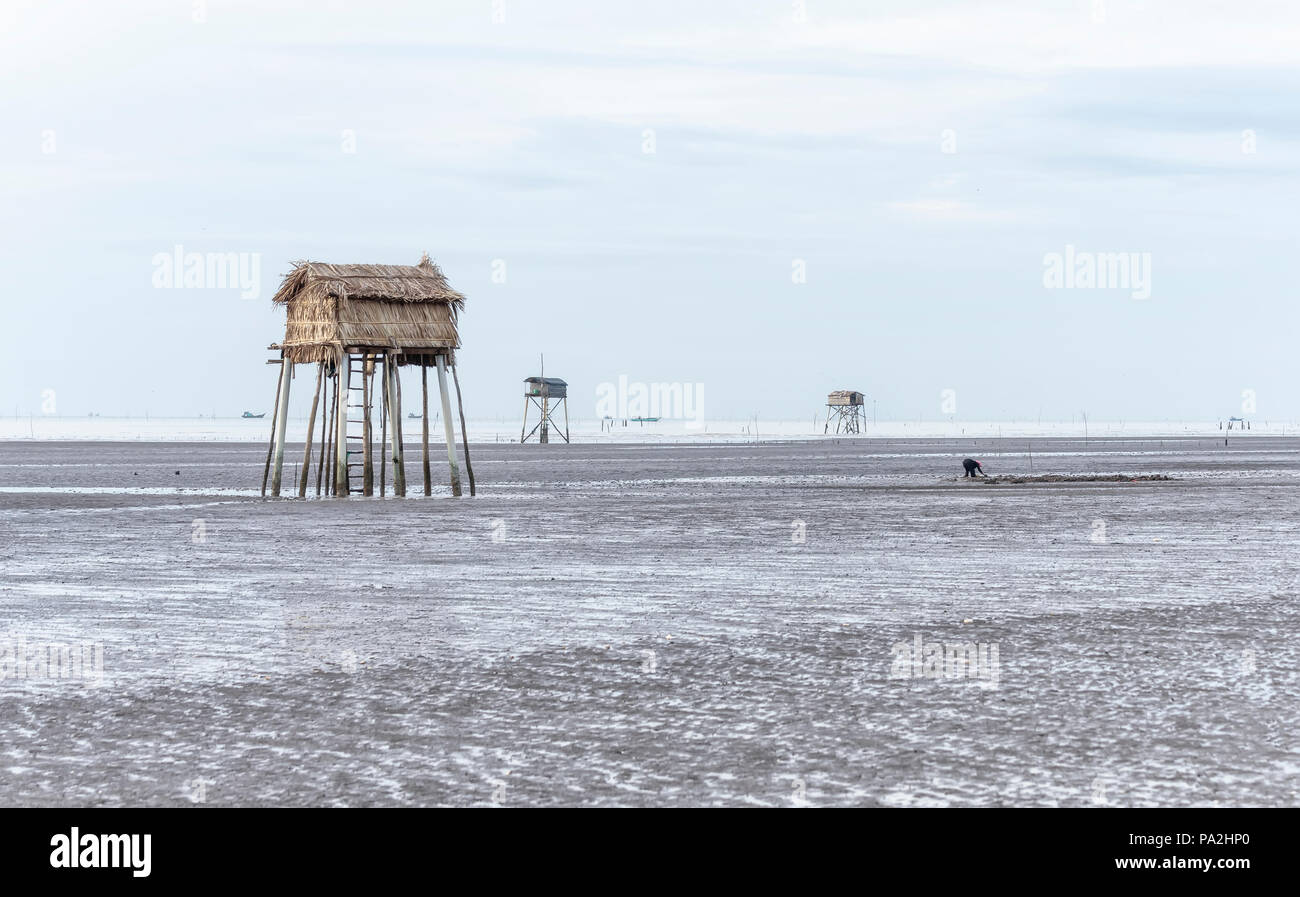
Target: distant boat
<point x="415" y="416"/>
<point x="644" y="420"/>
<point x="251" y="414"/>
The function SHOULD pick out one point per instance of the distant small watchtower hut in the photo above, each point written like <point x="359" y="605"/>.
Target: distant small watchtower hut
<point x="353" y="321"/>
<point x="846" y="407"/>
<point x="542" y="392"/>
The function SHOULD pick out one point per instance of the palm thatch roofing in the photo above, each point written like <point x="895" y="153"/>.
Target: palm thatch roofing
<point x="407" y="309"/>
<point x="846" y="397"/>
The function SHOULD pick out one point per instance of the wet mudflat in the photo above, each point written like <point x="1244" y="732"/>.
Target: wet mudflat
<point x="816" y="623"/>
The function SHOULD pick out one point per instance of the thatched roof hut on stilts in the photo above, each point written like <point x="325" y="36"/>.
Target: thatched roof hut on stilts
<point x="354" y="321"/>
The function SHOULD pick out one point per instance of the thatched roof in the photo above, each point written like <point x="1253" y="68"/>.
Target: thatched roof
<point x="424" y="282"/>
<point x="408" y="308"/>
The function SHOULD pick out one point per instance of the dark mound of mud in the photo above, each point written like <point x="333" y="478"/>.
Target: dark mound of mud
<point x="1080" y="478"/>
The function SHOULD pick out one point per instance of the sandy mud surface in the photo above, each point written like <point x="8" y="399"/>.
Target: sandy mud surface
<point x="818" y="623"/>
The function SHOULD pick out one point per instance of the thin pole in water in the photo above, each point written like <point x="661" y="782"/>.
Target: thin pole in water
<point x="464" y="431"/>
<point x="266" y="471"/>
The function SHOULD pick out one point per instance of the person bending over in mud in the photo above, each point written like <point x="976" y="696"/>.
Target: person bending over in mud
<point x="972" y="466"/>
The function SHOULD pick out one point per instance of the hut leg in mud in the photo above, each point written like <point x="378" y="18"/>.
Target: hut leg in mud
<point x="383" y="430"/>
<point x="424" y="429"/>
<point x="311" y="425"/>
<point x="464" y="430"/>
<point x="367" y="457"/>
<point x="447" y="427"/>
<point x="395" y="419"/>
<point x="328" y="428"/>
<point x="399" y="462"/>
<point x="281" y="424"/>
<point x="324" y="421"/>
<point x="270" y="443"/>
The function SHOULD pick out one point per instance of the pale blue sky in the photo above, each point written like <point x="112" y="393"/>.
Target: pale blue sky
<point x="781" y="132"/>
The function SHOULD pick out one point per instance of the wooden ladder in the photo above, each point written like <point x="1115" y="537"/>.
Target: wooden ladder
<point x="355" y="427"/>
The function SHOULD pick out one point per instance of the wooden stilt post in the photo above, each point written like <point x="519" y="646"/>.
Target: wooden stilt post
<point x="311" y="425"/>
<point x="566" y="419"/>
<point x="390" y="447"/>
<point x="341" y="421"/>
<point x="367" y="460"/>
<point x="464" y="431"/>
<point x="270" y="445"/>
<point x="395" y="419"/>
<point x="383" y="429"/>
<point x="281" y="425"/>
<point x="424" y="385"/>
<point x="326" y="434"/>
<point x="448" y="429"/>
<point x="399" y="461"/>
<point x="525" y="426"/>
<point x="324" y="425"/>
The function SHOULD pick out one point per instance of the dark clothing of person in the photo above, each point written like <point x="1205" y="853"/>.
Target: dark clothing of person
<point x="971" y="466"/>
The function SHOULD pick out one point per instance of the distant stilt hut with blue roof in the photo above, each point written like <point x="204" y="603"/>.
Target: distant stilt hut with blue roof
<point x="547" y="394"/>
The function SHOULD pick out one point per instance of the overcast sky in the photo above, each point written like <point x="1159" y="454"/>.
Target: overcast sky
<point x="916" y="161"/>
